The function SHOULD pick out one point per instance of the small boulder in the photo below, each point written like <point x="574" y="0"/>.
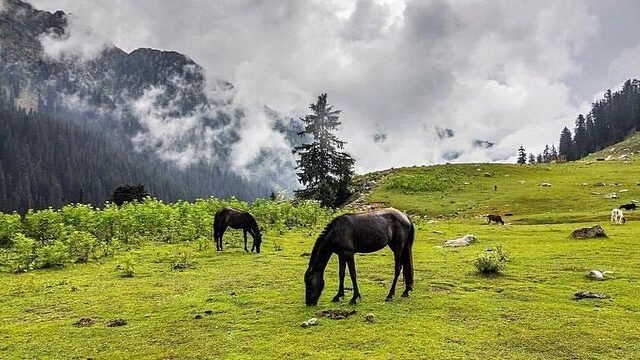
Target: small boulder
<point x="610" y="196"/>
<point x="595" y="231"/>
<point x="588" y="295"/>
<point x="116" y="323"/>
<point x="370" y="318"/>
<point x="313" y="321"/>
<point x="595" y="275"/>
<point x="545" y="184"/>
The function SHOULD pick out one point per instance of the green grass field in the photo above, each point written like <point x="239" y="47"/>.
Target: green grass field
<point x="252" y="305"/>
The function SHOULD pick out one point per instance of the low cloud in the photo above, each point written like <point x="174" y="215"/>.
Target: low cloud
<point x="79" y="42"/>
<point x="499" y="71"/>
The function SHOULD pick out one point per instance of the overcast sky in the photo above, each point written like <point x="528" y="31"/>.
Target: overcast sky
<point x="510" y="72"/>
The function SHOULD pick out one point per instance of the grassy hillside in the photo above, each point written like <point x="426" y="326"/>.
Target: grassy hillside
<point x="630" y="148"/>
<point x="576" y="193"/>
<point x="251" y="306"/>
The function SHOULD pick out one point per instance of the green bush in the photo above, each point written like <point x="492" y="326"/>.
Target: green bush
<point x="491" y="261"/>
<point x="22" y="255"/>
<point x="127" y="266"/>
<point x="55" y="254"/>
<point x="10" y="224"/>
<point x="81" y="245"/>
<point x="182" y="260"/>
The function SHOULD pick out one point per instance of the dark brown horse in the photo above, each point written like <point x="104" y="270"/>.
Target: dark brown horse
<point x="361" y="233"/>
<point x="236" y="219"/>
<point x="495" y="218"/>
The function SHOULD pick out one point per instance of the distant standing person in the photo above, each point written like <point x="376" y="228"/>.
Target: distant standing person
<point x="495" y="187"/>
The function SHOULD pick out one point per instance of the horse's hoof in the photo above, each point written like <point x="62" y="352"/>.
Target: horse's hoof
<point x="354" y="300"/>
<point x="336" y="298"/>
<point x="405" y="294"/>
<point x="389" y="298"/>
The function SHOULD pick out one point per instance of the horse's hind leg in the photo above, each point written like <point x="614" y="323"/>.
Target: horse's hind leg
<point x="352" y="272"/>
<point x="341" y="273"/>
<point x="244" y="232"/>
<point x="397" y="256"/>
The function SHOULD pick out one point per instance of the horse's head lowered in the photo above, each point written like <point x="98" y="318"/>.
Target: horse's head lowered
<point x="314" y="284"/>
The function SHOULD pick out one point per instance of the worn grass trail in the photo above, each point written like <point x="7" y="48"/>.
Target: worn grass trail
<point x="257" y="302"/>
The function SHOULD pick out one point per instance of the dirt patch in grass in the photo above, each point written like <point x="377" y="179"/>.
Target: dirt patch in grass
<point x="337" y="314"/>
<point x="116" y="322"/>
<point x="84" y="322"/>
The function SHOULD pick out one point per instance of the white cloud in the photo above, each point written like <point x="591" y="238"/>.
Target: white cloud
<point x="79" y="42"/>
<point x="626" y="65"/>
<point x="493" y="70"/>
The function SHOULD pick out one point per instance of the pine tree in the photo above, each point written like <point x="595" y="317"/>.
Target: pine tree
<point x="532" y="158"/>
<point x="565" y="147"/>
<point x="539" y="159"/>
<point x="522" y="155"/>
<point x="581" y="138"/>
<point x="553" y="154"/>
<point x="325" y="171"/>
<point x="546" y="154"/>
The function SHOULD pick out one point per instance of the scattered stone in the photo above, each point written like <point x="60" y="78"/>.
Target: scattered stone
<point x="522" y="181"/>
<point x="610" y="196"/>
<point x="337" y="314"/>
<point x="599" y="184"/>
<point x="508" y="214"/>
<point x="609" y="157"/>
<point x="208" y="312"/>
<point x="116" y="323"/>
<point x="595" y="193"/>
<point x="595" y="275"/>
<point x="197" y="317"/>
<point x="585" y="184"/>
<point x="600" y="159"/>
<point x="438" y="232"/>
<point x="588" y="295"/>
<point x="313" y="321"/>
<point x="305" y="254"/>
<point x="545" y="184"/>
<point x="370" y="318"/>
<point x="624" y="190"/>
<point x="233" y="293"/>
<point x="305" y="324"/>
<point x="83" y="322"/>
<point x="467" y="183"/>
<point x="595" y="231"/>
<point x="488" y="174"/>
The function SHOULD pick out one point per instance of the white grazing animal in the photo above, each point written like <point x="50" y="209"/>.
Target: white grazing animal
<point x="617" y="217"/>
<point x="463" y="241"/>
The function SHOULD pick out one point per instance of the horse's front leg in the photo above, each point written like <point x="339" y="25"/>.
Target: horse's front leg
<point x="341" y="272"/>
<point x="352" y="272"/>
<point x="397" y="256"/>
<point x="245" y="240"/>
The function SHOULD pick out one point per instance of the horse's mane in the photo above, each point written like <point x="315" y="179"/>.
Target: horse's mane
<point x="322" y="238"/>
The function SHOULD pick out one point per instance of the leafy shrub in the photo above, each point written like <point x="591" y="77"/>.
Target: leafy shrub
<point x="45" y="226"/>
<point x="81" y="245"/>
<point x="491" y="261"/>
<point x="10" y="224"/>
<point x="182" y="260"/>
<point x="55" y="254"/>
<point x="22" y="253"/>
<point x="127" y="266"/>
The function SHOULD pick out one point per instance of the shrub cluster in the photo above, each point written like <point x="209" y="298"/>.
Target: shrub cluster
<point x="491" y="261"/>
<point x="78" y="233"/>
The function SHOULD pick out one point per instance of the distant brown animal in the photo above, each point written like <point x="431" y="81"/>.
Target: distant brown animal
<point x="494" y="218"/>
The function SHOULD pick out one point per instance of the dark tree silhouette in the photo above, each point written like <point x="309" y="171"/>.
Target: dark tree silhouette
<point x="522" y="155"/>
<point x="324" y="169"/>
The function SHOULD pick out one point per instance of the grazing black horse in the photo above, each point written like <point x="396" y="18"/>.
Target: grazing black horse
<point x="361" y="233"/>
<point x="630" y="206"/>
<point x="236" y="219"/>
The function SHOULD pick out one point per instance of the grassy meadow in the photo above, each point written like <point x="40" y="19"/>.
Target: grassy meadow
<point x="236" y="305"/>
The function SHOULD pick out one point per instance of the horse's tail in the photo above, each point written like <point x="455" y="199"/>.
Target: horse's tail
<point x="407" y="266"/>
